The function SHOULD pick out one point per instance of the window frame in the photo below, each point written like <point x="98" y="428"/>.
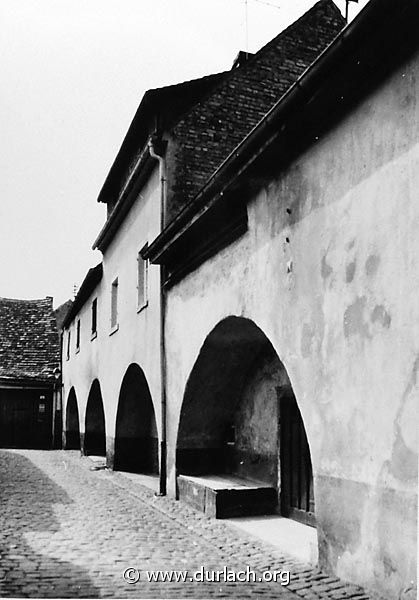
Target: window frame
<point x="68" y="345"/>
<point x="93" y="326"/>
<point x="78" y="328"/>
<point x="114" y="305"/>
<point x="142" y="303"/>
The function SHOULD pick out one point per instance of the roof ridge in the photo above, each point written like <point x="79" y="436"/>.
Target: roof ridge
<point x="26" y="300"/>
<point x="296" y="24"/>
<point x="256" y="55"/>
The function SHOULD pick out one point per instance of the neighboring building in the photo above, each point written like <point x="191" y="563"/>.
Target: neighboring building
<point x="61" y="313"/>
<point x="112" y="335"/>
<point x="29" y="373"/>
<point x="282" y="346"/>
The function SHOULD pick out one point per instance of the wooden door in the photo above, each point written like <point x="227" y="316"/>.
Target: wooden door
<point x="297" y="497"/>
<point x="25" y="418"/>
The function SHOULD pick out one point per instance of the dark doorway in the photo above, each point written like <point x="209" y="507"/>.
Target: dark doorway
<point x="239" y="418"/>
<point x="95" y="436"/>
<point x="72" y="424"/>
<point x="136" y="439"/>
<point x="26" y="418"/>
<point x="297" y="495"/>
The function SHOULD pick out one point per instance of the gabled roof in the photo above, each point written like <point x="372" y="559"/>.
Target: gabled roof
<point x="215" y="126"/>
<point x="29" y="341"/>
<point x="214" y="114"/>
<point x="376" y="42"/>
<point x="92" y="279"/>
<point x="159" y="108"/>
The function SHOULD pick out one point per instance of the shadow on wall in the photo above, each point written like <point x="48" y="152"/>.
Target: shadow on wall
<point x="72" y="423"/>
<point x="95" y="435"/>
<point x="28" y="497"/>
<point x="240" y="417"/>
<point x="136" y="439"/>
<point x="207" y="424"/>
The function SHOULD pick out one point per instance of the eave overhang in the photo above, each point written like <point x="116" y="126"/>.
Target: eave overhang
<point x="127" y="197"/>
<point x="358" y="57"/>
<point x="33" y="382"/>
<point x="92" y="279"/>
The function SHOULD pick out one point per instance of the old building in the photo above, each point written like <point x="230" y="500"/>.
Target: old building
<point x="256" y="307"/>
<point x="29" y="373"/>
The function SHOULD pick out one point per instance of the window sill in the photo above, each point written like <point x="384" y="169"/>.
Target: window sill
<point x="114" y="329"/>
<point x="93" y="336"/>
<point x="142" y="307"/>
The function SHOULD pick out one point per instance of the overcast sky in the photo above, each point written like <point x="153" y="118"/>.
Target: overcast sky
<point x="73" y="74"/>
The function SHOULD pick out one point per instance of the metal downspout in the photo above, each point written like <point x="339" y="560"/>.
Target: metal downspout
<point x="163" y="442"/>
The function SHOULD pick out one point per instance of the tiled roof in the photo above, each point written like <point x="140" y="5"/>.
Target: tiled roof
<point x="162" y="106"/>
<point x="207" y="134"/>
<point x="29" y="342"/>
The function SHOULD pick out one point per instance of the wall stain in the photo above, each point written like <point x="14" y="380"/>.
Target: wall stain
<point x="404" y="462"/>
<point x="380" y="315"/>
<point x="350" y="271"/>
<point x="371" y="264"/>
<point x="307" y="336"/>
<point x="326" y="269"/>
<point x="354" y="322"/>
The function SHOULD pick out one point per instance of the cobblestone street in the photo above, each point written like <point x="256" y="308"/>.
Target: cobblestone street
<point x="69" y="531"/>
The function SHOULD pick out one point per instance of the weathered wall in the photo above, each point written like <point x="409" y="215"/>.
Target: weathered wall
<point x="256" y="450"/>
<point x="332" y="282"/>
<point x="137" y="340"/>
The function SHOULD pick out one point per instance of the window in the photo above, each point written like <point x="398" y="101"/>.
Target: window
<point x="68" y="345"/>
<point x="114" y="305"/>
<point x="142" y="272"/>
<point x="94" y="318"/>
<point x="78" y="335"/>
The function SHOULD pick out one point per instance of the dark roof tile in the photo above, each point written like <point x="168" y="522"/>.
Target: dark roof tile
<point x="207" y="134"/>
<point x="29" y="341"/>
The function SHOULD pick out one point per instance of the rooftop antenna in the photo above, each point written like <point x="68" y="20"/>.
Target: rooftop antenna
<point x="347" y="9"/>
<point x="246" y="20"/>
<point x="75" y="290"/>
<point x="246" y="26"/>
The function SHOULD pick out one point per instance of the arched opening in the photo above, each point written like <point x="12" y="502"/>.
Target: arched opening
<point x="240" y="419"/>
<point x="136" y="438"/>
<point x="95" y="437"/>
<point x="72" y="424"/>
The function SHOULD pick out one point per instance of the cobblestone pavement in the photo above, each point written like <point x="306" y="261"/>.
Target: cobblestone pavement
<point x="70" y="532"/>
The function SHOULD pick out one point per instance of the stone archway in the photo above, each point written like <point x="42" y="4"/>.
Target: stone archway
<point x="136" y="438"/>
<point x="240" y="419"/>
<point x="95" y="435"/>
<point x="72" y="423"/>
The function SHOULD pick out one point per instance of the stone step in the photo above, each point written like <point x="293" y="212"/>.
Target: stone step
<point x="224" y="496"/>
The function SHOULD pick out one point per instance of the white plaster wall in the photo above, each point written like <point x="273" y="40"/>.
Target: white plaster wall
<point x="137" y="339"/>
<point x="344" y="321"/>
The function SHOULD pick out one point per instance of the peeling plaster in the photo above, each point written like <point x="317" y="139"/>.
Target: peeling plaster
<point x="307" y="336"/>
<point x="326" y="269"/>
<point x="404" y="460"/>
<point x="380" y="315"/>
<point x="372" y="264"/>
<point x="354" y="322"/>
<point x="350" y="271"/>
